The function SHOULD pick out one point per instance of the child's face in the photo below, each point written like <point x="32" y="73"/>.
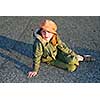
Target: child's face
<point x="46" y="35"/>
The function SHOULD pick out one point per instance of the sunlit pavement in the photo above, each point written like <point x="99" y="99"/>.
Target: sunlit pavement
<point x="82" y="34"/>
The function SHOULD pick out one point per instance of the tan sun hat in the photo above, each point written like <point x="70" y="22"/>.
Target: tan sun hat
<point x="49" y="25"/>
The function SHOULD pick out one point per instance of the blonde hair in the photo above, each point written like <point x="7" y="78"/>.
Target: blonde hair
<point x="54" y="40"/>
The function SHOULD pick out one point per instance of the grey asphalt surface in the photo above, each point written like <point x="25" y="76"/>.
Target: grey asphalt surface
<point x="82" y="34"/>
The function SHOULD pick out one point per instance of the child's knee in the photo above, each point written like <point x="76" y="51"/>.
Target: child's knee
<point x="71" y="68"/>
<point x="74" y="61"/>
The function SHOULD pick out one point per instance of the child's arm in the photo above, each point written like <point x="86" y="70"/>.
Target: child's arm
<point x="37" y="54"/>
<point x="64" y="48"/>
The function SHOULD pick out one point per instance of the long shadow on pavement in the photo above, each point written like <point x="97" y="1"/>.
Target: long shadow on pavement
<point x="14" y="45"/>
<point x="19" y="64"/>
<point x="20" y="47"/>
<point x="26" y="50"/>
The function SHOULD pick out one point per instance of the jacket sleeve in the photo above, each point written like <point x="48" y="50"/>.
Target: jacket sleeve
<point x="64" y="47"/>
<point x="37" y="54"/>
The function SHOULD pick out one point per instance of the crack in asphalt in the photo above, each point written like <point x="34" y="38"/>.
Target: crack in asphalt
<point x="23" y="31"/>
<point x="18" y="39"/>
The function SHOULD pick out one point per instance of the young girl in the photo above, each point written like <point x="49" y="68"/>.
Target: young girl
<point x="49" y="48"/>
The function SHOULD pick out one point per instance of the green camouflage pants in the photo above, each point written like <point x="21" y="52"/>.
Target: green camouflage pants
<point x="67" y="62"/>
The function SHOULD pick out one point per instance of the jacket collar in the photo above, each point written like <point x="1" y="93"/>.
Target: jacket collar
<point x="39" y="37"/>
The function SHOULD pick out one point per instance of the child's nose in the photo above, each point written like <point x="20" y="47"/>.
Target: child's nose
<point x="46" y="33"/>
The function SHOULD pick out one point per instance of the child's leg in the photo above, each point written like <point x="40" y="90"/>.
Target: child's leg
<point x="65" y="61"/>
<point x="59" y="64"/>
<point x="68" y="59"/>
<point x="62" y="65"/>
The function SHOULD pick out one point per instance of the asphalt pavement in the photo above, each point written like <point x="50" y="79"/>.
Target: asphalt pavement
<point x="82" y="34"/>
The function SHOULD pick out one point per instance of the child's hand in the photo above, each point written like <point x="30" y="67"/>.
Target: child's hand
<point x="80" y="58"/>
<point x="32" y="74"/>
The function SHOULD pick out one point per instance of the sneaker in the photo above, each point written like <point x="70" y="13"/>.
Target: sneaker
<point x="88" y="58"/>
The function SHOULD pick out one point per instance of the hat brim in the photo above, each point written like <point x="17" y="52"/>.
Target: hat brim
<point x="49" y="30"/>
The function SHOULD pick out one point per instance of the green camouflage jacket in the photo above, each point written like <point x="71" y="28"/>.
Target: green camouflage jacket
<point x="45" y="52"/>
